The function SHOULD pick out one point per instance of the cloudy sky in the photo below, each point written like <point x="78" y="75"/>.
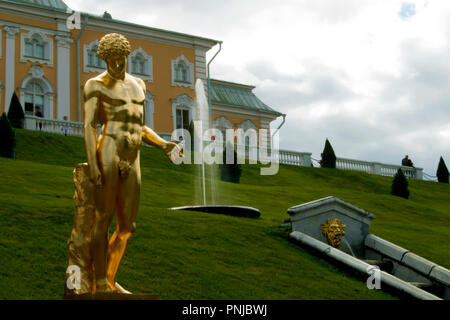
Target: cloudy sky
<point x="372" y="76"/>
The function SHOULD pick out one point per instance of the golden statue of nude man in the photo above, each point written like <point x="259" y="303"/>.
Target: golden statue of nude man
<point x="115" y="99"/>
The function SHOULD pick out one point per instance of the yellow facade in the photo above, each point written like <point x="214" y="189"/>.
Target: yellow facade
<point x="163" y="47"/>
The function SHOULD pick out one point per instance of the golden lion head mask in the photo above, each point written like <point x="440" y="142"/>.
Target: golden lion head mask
<point x="334" y="230"/>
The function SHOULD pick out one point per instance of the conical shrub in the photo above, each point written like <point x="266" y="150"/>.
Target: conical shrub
<point x="230" y="172"/>
<point x="7" y="138"/>
<point x="191" y="130"/>
<point x="442" y="172"/>
<point x="400" y="185"/>
<point x="328" y="156"/>
<point x="15" y="112"/>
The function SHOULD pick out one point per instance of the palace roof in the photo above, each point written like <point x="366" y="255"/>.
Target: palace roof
<point x="237" y="95"/>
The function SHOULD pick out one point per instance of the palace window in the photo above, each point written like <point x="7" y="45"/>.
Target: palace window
<point x="36" y="47"/>
<point x="183" y="118"/>
<point x="92" y="62"/>
<point x="140" y="65"/>
<point x="182" y="111"/>
<point x="182" y="72"/>
<point x="34" y="99"/>
<point x="93" y="58"/>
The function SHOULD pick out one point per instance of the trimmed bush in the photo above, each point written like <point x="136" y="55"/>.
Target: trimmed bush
<point x="442" y="172"/>
<point x="7" y="138"/>
<point x="230" y="172"/>
<point x="400" y="185"/>
<point x="15" y="112"/>
<point x="328" y="156"/>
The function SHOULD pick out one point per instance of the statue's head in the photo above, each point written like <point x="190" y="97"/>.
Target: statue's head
<point x="114" y="48"/>
<point x="334" y="230"/>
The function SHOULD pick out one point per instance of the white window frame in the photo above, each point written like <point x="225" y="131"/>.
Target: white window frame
<point x="36" y="73"/>
<point x="183" y="102"/>
<point x="190" y="72"/>
<point x="86" y="67"/>
<point x="149" y="110"/>
<point x="44" y="40"/>
<point x="148" y="65"/>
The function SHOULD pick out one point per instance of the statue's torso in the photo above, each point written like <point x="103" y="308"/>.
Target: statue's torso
<point x="121" y="113"/>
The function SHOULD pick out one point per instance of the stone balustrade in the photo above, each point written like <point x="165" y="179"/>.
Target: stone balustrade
<point x="381" y="169"/>
<point x="67" y="128"/>
<point x="294" y="158"/>
<point x="287" y="157"/>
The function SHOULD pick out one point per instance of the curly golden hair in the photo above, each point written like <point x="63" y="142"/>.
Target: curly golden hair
<point x="113" y="44"/>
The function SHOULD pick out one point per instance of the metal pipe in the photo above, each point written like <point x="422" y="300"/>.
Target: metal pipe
<point x="209" y="84"/>
<point x="78" y="67"/>
<point x="279" y="127"/>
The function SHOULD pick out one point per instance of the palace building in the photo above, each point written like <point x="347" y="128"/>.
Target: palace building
<point x="47" y="53"/>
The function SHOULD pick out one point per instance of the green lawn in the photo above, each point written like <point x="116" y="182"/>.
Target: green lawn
<point x="191" y="255"/>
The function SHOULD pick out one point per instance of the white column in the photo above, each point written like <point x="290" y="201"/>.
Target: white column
<point x="10" y="63"/>
<point x="63" y="76"/>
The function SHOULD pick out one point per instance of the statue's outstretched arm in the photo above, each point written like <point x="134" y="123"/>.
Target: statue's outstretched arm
<point x="152" y="138"/>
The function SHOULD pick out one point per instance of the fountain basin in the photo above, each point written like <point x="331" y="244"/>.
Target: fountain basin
<point x="237" y="211"/>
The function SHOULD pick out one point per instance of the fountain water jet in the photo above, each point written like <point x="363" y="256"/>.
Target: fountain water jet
<point x="202" y="117"/>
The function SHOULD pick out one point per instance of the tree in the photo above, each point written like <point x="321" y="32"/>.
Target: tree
<point x="230" y="172"/>
<point x="442" y="172"/>
<point x="328" y="156"/>
<point x="400" y="185"/>
<point x="15" y="112"/>
<point x="192" y="133"/>
<point x="7" y="138"/>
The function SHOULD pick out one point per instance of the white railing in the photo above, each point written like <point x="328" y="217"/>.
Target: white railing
<point x="381" y="169"/>
<point x="294" y="158"/>
<point x="67" y="128"/>
<point x="70" y="128"/>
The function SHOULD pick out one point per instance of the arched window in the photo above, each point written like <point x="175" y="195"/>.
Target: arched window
<point x="182" y="111"/>
<point x="93" y="58"/>
<point x="34" y="99"/>
<point x="140" y="65"/>
<point x="37" y="94"/>
<point x="223" y="124"/>
<point x="182" y="72"/>
<point x="92" y="62"/>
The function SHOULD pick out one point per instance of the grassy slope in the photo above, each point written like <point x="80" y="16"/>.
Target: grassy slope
<point x="186" y="255"/>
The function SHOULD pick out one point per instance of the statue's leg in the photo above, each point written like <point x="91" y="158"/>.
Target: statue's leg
<point x="127" y="208"/>
<point x="105" y="200"/>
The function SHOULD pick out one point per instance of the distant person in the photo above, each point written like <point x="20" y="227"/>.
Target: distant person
<point x="407" y="162"/>
<point x="66" y="128"/>
<point x="38" y="113"/>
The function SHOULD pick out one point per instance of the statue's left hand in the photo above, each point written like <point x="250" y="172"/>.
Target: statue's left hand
<point x="168" y="149"/>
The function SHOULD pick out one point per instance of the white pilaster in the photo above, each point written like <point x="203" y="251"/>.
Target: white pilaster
<point x="10" y="62"/>
<point x="200" y="64"/>
<point x="63" y="77"/>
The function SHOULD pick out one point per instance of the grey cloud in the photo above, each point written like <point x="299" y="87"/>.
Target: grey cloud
<point x="323" y="84"/>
